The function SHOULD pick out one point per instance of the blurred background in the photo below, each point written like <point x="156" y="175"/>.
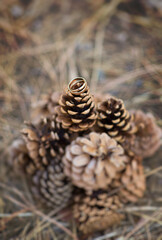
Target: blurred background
<point x="117" y="47"/>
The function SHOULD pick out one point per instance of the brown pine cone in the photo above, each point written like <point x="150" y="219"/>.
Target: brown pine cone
<point x="131" y="182"/>
<point x="146" y="140"/>
<point x="45" y="107"/>
<point x="44" y="141"/>
<point x="93" y="161"/>
<point x="51" y="186"/>
<point x="101" y="97"/>
<point x="18" y="155"/>
<point x="114" y="119"/>
<point x="77" y="109"/>
<point x="97" y="211"/>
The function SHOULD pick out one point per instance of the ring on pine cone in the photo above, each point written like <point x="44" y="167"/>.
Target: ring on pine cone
<point x="114" y="119"/>
<point x="77" y="108"/>
<point x="97" y="211"/>
<point x="93" y="161"/>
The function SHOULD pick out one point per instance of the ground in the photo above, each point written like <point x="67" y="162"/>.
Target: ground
<point x="117" y="47"/>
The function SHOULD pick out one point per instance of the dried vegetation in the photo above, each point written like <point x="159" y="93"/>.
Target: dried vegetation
<point x="116" y="45"/>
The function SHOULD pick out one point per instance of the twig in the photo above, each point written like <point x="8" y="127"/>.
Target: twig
<point x="97" y="59"/>
<point x="39" y="213"/>
<point x="130" y="76"/>
<point x="13" y="215"/>
<point x="153" y="171"/>
<point x="8" y="215"/>
<point x="139" y="226"/>
<point x="141" y="208"/>
<point x="33" y="209"/>
<point x="150" y="218"/>
<point x="107" y="236"/>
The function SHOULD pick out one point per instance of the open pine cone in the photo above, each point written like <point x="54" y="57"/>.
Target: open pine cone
<point x="44" y="141"/>
<point x="18" y="155"/>
<point x="101" y="97"/>
<point x="51" y="186"/>
<point x="39" y="156"/>
<point x="146" y="140"/>
<point x="131" y="183"/>
<point x="114" y="119"/>
<point x="77" y="109"/>
<point x="93" y="161"/>
<point x="45" y="107"/>
<point x="97" y="211"/>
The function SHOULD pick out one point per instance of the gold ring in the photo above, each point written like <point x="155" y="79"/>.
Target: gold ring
<point x="77" y="80"/>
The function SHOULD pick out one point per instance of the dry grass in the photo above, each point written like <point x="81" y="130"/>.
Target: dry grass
<point x="116" y="46"/>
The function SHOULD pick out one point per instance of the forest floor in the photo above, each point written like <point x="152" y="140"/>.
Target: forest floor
<point x="117" y="47"/>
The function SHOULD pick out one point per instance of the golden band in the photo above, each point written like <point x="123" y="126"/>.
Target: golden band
<point x="79" y="80"/>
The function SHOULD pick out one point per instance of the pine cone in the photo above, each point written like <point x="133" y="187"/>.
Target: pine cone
<point x="93" y="161"/>
<point x="114" y="119"/>
<point x="146" y="140"/>
<point x="131" y="182"/>
<point x="44" y="141"/>
<point x="51" y="186"/>
<point x="18" y="155"/>
<point x="97" y="211"/>
<point x="77" y="109"/>
<point x="101" y="97"/>
<point x="45" y="107"/>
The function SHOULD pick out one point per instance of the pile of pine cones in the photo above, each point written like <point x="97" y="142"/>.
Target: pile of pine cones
<point x="86" y="149"/>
